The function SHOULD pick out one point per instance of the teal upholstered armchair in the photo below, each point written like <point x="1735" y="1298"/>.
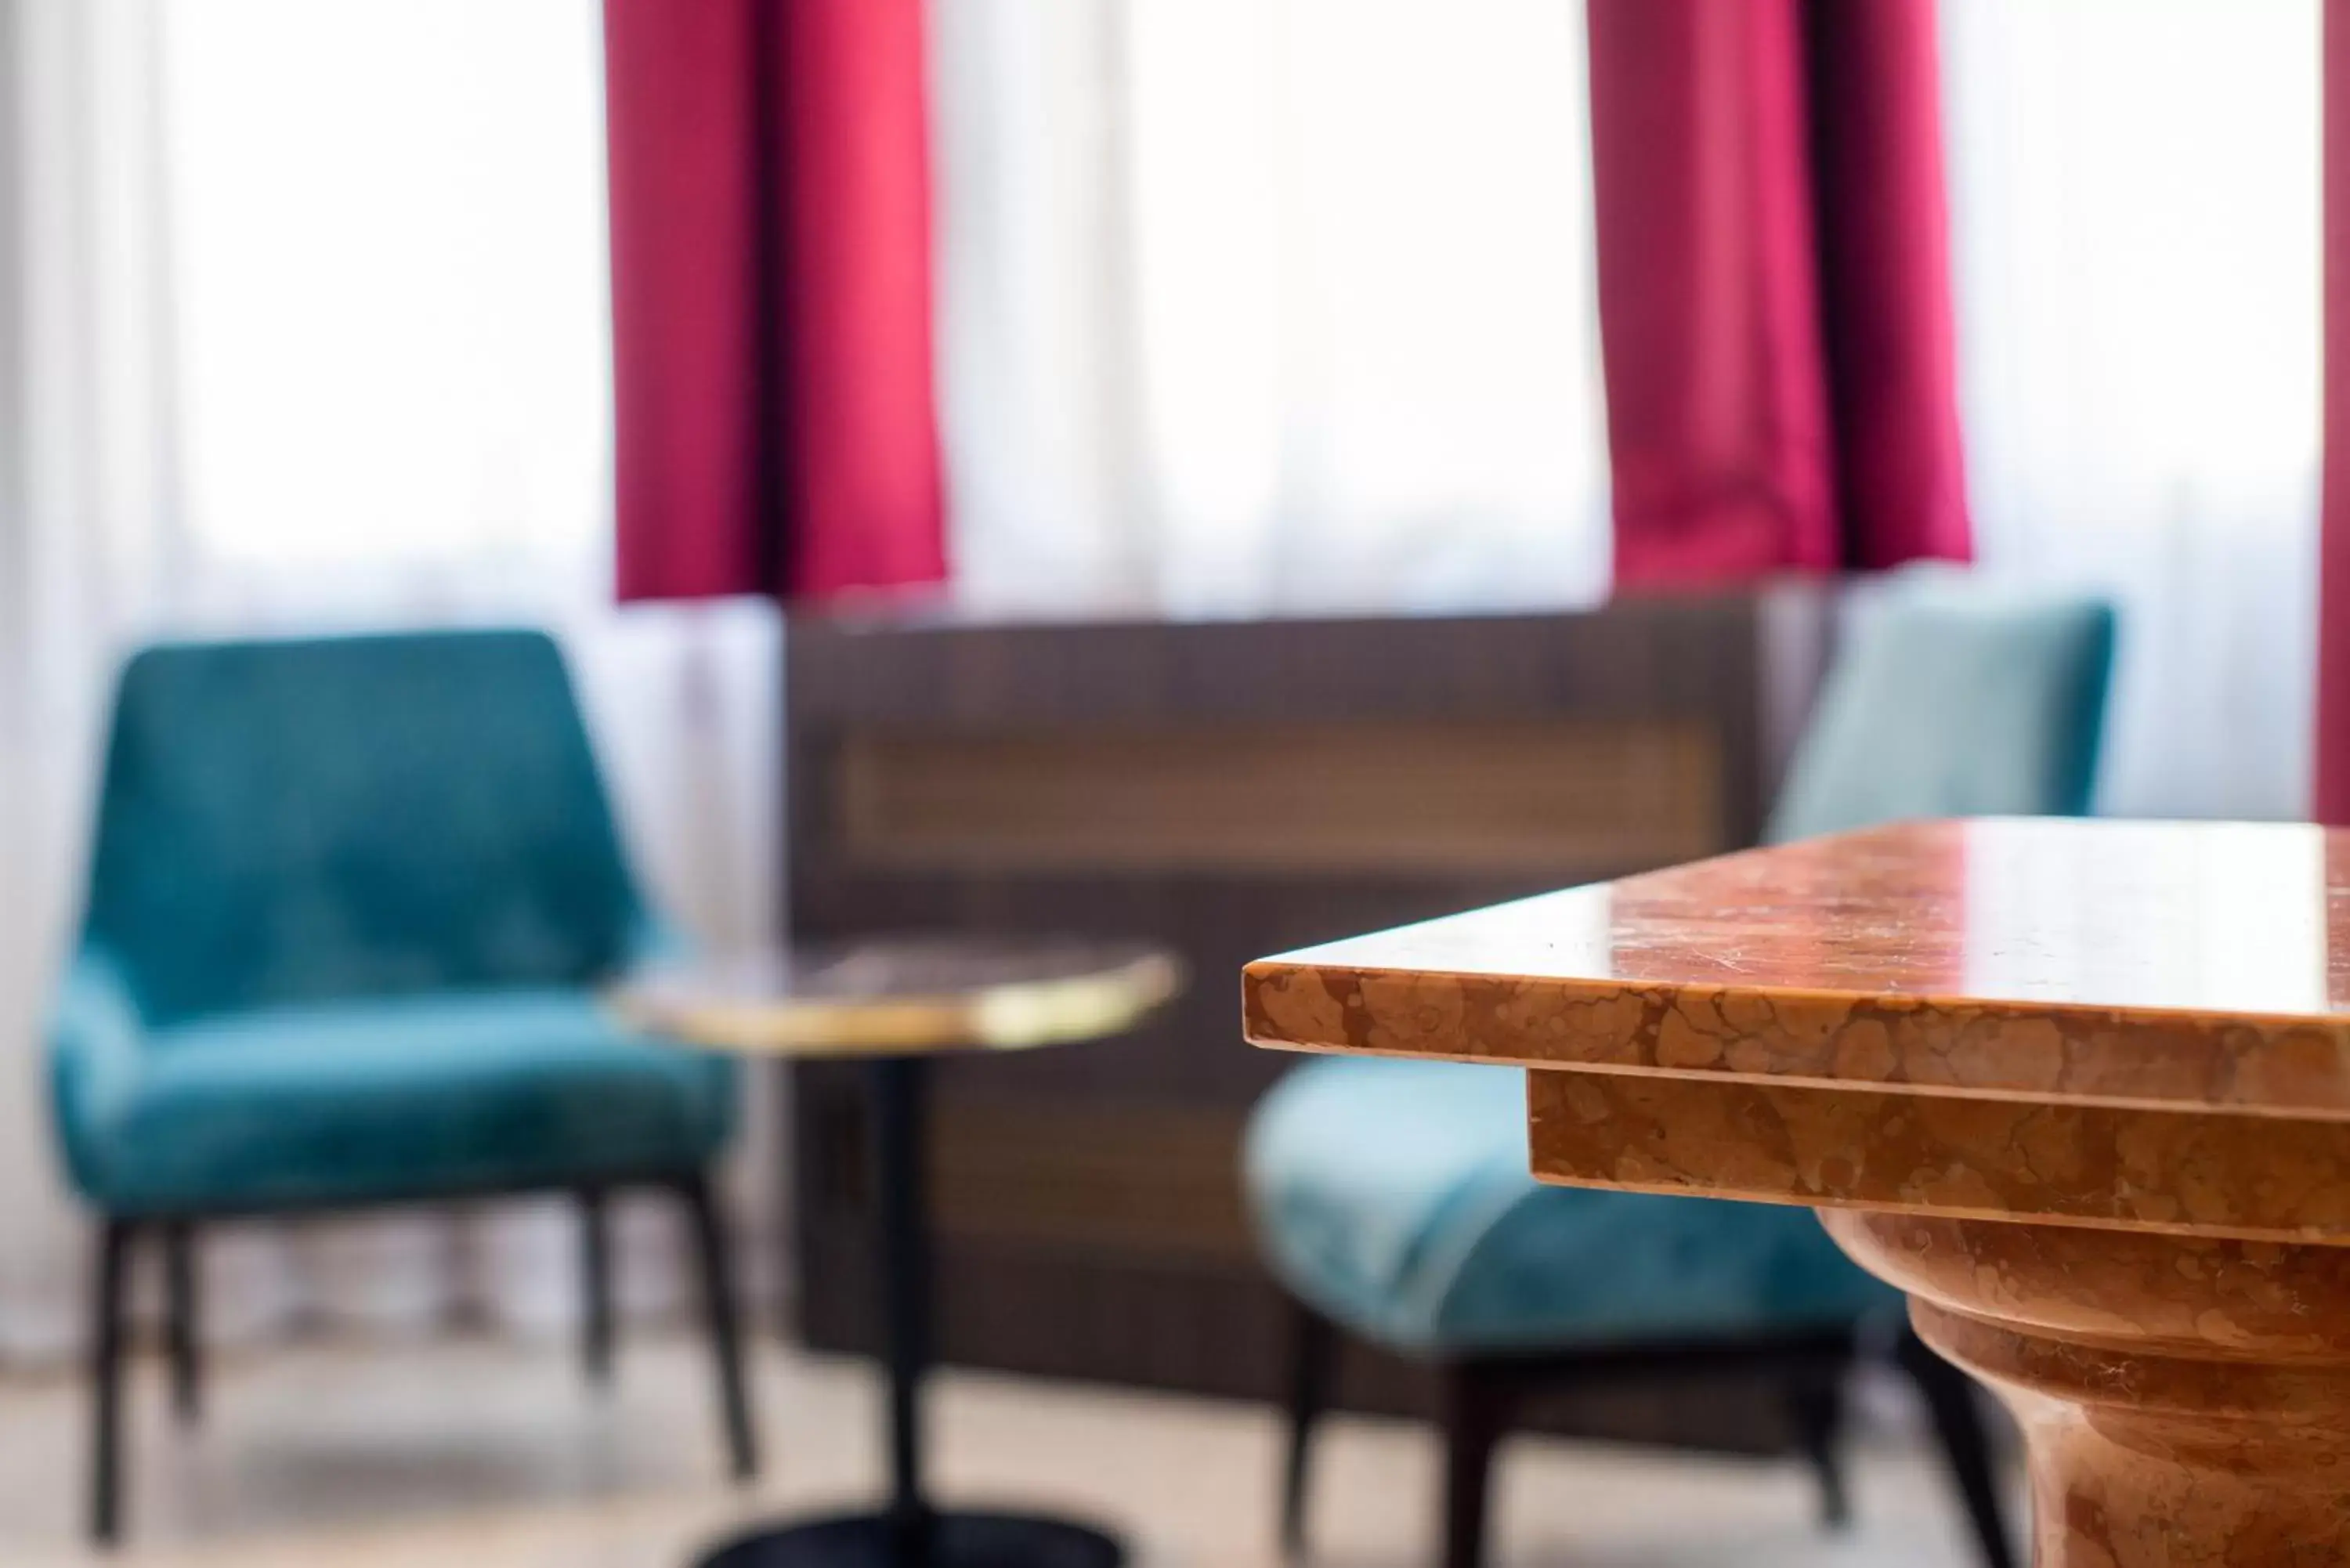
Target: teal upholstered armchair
<point x="348" y="902"/>
<point x="1430" y="1239"/>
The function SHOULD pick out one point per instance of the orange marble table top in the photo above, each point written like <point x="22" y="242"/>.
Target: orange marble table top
<point x="2118" y="963"/>
<point x="2139" y="1026"/>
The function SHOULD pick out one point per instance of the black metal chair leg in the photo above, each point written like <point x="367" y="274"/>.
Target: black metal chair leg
<point x="595" y="1285"/>
<point x="1966" y="1446"/>
<point x="1313" y="1352"/>
<point x="1815" y="1405"/>
<point x="1475" y="1416"/>
<point x="184" y="1323"/>
<point x="106" y="1381"/>
<point x="713" y="1248"/>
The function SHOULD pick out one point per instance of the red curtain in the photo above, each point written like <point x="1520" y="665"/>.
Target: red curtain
<point x="2332" y="735"/>
<point x="774" y="426"/>
<point x="1775" y="292"/>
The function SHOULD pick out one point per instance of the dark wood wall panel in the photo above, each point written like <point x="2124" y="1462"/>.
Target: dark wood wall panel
<point x="1424" y="795"/>
<point x="1229" y="789"/>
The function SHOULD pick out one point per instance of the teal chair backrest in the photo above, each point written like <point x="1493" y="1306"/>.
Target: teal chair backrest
<point x="1952" y="697"/>
<point x="301" y="821"/>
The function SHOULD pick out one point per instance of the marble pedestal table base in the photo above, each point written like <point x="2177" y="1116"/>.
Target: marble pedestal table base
<point x="2186" y="1403"/>
<point x="2080" y="1089"/>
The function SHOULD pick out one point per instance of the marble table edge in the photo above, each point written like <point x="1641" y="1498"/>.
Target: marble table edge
<point x="2280" y="1066"/>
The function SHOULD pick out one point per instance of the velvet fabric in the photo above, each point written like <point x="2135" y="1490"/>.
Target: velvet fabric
<point x="1436" y="1239"/>
<point x="362" y="1102"/>
<point x="1947" y="700"/>
<point x="1394" y="1196"/>
<point x="1775" y="307"/>
<point x="348" y="902"/>
<point x="774" y="426"/>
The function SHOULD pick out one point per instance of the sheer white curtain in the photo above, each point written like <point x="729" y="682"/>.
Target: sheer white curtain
<point x="84" y="481"/>
<point x="2136" y="227"/>
<point x="306" y="328"/>
<point x="1259" y="305"/>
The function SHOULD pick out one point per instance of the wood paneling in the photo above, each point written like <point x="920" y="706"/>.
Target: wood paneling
<point x="1230" y="789"/>
<point x="1420" y="795"/>
<point x="1155" y="1182"/>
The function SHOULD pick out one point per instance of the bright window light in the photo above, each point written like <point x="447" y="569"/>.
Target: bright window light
<point x="387" y="276"/>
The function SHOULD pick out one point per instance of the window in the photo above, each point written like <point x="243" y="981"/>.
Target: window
<point x="1252" y="304"/>
<point x="2137" y="245"/>
<point x="386" y="275"/>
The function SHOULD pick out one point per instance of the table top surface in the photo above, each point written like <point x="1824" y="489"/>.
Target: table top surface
<point x="2136" y="963"/>
<point x="902" y="996"/>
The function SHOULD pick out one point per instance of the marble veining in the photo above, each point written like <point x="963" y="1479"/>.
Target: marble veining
<point x="2078" y="1089"/>
<point x="2199" y="1173"/>
<point x="2187" y="1404"/>
<point x="2119" y="964"/>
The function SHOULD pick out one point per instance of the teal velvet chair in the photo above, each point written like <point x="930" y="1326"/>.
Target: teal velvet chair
<point x="1391" y="1198"/>
<point x="348" y="903"/>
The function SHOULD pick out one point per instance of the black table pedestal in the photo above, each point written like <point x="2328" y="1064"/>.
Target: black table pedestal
<point x="910" y="1533"/>
<point x="953" y="1540"/>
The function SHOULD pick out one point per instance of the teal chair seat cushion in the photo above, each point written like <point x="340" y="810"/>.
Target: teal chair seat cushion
<point x="1392" y="1196"/>
<point x="387" y="1099"/>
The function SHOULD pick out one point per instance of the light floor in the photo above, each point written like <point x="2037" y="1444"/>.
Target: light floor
<point x="486" y="1455"/>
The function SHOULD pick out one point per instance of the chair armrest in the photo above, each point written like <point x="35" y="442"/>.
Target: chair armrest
<point x="96" y="1039"/>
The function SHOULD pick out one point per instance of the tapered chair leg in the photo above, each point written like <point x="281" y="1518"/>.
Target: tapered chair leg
<point x="719" y="1306"/>
<point x="1815" y="1405"/>
<point x="184" y="1323"/>
<point x="1475" y="1416"/>
<point x="595" y="1285"/>
<point x="1313" y="1356"/>
<point x="106" y="1381"/>
<point x="1966" y="1446"/>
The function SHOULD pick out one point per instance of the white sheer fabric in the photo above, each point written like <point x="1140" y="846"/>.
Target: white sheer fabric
<point x="2137" y="251"/>
<point x="307" y="328"/>
<point x="1259" y="305"/>
<point x="84" y="479"/>
<point x="387" y="233"/>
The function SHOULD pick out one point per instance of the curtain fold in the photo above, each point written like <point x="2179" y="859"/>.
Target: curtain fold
<point x="1224" y="330"/>
<point x="2138" y="300"/>
<point x="1774" y="287"/>
<point x="2333" y="727"/>
<point x="776" y="429"/>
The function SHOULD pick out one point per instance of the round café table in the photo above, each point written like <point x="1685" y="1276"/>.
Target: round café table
<point x="894" y="1004"/>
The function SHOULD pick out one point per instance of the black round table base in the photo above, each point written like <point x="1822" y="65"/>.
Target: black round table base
<point x="953" y="1540"/>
